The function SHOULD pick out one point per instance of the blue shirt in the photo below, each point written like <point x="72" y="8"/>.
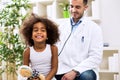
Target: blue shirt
<point x="74" y="25"/>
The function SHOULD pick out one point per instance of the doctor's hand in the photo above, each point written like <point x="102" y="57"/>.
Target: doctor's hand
<point x="69" y="76"/>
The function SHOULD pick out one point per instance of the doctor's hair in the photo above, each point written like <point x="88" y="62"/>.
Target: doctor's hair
<point x="27" y="28"/>
<point x="85" y="2"/>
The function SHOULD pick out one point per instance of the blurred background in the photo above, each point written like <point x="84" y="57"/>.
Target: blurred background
<point x="105" y="13"/>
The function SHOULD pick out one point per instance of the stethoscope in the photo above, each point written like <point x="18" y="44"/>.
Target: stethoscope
<point x="68" y="37"/>
<point x="65" y="43"/>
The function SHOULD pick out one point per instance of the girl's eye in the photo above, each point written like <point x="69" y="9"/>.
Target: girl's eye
<point x="35" y="30"/>
<point x="43" y="30"/>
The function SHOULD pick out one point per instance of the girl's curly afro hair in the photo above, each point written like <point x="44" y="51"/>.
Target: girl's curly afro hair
<point x="27" y="28"/>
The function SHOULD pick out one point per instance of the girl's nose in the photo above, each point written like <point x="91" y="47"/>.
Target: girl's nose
<point x="39" y="31"/>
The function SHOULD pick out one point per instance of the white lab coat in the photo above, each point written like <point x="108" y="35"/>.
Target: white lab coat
<point x="84" y="48"/>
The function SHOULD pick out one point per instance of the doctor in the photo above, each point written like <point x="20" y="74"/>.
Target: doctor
<point x="80" y="47"/>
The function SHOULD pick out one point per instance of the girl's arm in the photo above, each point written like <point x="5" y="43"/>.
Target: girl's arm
<point x="54" y="63"/>
<point x="26" y="55"/>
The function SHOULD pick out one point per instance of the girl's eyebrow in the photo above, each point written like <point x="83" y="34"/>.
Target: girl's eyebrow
<point x="35" y="27"/>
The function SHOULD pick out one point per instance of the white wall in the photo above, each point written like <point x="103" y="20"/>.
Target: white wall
<point x="110" y="21"/>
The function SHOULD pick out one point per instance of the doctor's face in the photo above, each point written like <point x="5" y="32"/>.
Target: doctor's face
<point x="77" y="8"/>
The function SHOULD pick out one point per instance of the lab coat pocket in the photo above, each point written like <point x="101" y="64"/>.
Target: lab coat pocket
<point x="82" y="42"/>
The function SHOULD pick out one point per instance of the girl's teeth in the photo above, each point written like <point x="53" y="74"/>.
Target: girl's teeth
<point x="39" y="37"/>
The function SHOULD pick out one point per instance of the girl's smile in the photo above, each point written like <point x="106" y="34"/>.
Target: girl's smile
<point x="39" y="33"/>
